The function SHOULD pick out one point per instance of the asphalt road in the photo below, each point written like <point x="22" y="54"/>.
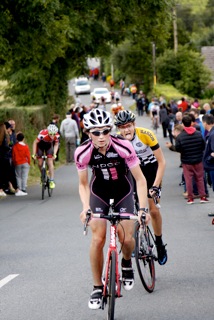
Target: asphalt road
<point x="45" y="273"/>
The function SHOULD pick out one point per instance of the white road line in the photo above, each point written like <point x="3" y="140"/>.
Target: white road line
<point x="7" y="279"/>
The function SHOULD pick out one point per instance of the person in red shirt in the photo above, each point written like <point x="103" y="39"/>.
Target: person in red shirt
<point x="183" y="105"/>
<point x="21" y="161"/>
<point x="47" y="143"/>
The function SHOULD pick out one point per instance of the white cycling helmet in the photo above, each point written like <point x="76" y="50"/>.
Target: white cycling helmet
<point x="52" y="129"/>
<point x="97" y="118"/>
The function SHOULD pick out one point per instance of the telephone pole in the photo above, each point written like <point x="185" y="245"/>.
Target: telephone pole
<point x="153" y="60"/>
<point x="175" y="30"/>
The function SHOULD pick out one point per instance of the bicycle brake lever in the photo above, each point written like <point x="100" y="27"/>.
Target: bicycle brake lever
<point x="88" y="217"/>
<point x="157" y="204"/>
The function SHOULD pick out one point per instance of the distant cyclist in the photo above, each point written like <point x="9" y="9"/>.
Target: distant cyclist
<point x="112" y="160"/>
<point x="152" y="164"/>
<point x="47" y="143"/>
<point x="154" y="113"/>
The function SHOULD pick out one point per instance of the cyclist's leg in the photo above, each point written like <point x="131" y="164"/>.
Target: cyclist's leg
<point x="40" y="152"/>
<point x="49" y="153"/>
<point x="50" y="167"/>
<point x="150" y="173"/>
<point x="124" y="203"/>
<point x="98" y="229"/>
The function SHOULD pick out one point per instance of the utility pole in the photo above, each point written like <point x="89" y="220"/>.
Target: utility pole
<point x="175" y="30"/>
<point x="153" y="59"/>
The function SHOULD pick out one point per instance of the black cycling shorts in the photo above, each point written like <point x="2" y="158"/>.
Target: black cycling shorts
<point x="120" y="190"/>
<point x="150" y="171"/>
<point x="45" y="148"/>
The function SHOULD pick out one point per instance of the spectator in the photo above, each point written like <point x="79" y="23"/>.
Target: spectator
<point x="55" y="121"/>
<point x="112" y="84"/>
<point x="196" y="113"/>
<point x="102" y="104"/>
<point x="21" y="161"/>
<point x="207" y="108"/>
<point x="133" y="90"/>
<point x="190" y="144"/>
<point x="84" y="136"/>
<point x="104" y="78"/>
<point x="178" y="117"/>
<point x="122" y="86"/>
<point x="70" y="132"/>
<point x="171" y="124"/>
<point x="208" y="160"/>
<point x="164" y="119"/>
<point x="140" y="103"/>
<point x="183" y="105"/>
<point x="4" y="159"/>
<point x="173" y="107"/>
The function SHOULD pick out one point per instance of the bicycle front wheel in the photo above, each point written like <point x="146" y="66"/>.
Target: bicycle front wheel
<point x="43" y="178"/>
<point x="50" y="191"/>
<point x="144" y="257"/>
<point x="112" y="284"/>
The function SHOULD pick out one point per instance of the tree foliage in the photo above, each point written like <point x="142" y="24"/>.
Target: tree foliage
<point x="185" y="71"/>
<point x="43" y="42"/>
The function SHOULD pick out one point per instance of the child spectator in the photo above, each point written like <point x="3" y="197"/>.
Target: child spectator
<point x="21" y="161"/>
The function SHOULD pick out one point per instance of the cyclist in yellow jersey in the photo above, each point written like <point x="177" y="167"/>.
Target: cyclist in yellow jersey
<point x="152" y="163"/>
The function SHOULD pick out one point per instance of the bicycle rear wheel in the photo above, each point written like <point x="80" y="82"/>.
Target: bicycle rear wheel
<point x="144" y="257"/>
<point x="43" y="178"/>
<point x="111" y="284"/>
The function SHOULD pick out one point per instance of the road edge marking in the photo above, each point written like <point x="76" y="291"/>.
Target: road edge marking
<point x="7" y="279"/>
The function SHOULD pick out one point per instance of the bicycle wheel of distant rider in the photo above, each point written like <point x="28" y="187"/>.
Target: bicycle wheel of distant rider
<point x="50" y="191"/>
<point x="111" y="286"/>
<point x="43" y="175"/>
<point x="144" y="258"/>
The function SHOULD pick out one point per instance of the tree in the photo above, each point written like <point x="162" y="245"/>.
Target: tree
<point x="43" y="42"/>
<point x="185" y="71"/>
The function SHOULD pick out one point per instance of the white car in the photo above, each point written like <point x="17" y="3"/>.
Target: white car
<point x="98" y="93"/>
<point x="82" y="85"/>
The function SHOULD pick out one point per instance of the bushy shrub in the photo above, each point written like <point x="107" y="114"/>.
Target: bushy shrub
<point x="184" y="70"/>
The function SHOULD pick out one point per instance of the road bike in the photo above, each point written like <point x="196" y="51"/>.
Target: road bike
<point x="45" y="179"/>
<point x="111" y="276"/>
<point x="145" y="252"/>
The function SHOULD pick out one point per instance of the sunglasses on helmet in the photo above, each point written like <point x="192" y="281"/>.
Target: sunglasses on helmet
<point x="98" y="133"/>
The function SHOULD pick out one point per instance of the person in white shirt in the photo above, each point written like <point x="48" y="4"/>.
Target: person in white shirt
<point x="69" y="130"/>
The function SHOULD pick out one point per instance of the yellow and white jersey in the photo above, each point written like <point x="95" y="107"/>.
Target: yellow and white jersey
<point x="144" y="143"/>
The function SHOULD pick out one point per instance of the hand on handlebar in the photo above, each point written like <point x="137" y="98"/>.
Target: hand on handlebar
<point x="144" y="216"/>
<point x="85" y="217"/>
<point x="155" y="192"/>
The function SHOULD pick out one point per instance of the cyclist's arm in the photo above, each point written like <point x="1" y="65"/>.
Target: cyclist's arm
<point x="84" y="192"/>
<point x="161" y="166"/>
<point x="36" y="141"/>
<point x="56" y="146"/>
<point x="141" y="185"/>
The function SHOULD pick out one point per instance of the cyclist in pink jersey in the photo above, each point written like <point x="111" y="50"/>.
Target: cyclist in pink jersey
<point x="113" y="162"/>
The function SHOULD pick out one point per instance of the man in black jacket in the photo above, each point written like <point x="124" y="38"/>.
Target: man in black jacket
<point x="191" y="144"/>
<point x="208" y="159"/>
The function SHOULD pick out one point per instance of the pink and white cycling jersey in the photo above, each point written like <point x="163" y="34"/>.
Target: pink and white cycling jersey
<point x="120" y="155"/>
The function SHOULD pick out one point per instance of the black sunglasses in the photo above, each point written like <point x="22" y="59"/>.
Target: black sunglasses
<point x="98" y="133"/>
